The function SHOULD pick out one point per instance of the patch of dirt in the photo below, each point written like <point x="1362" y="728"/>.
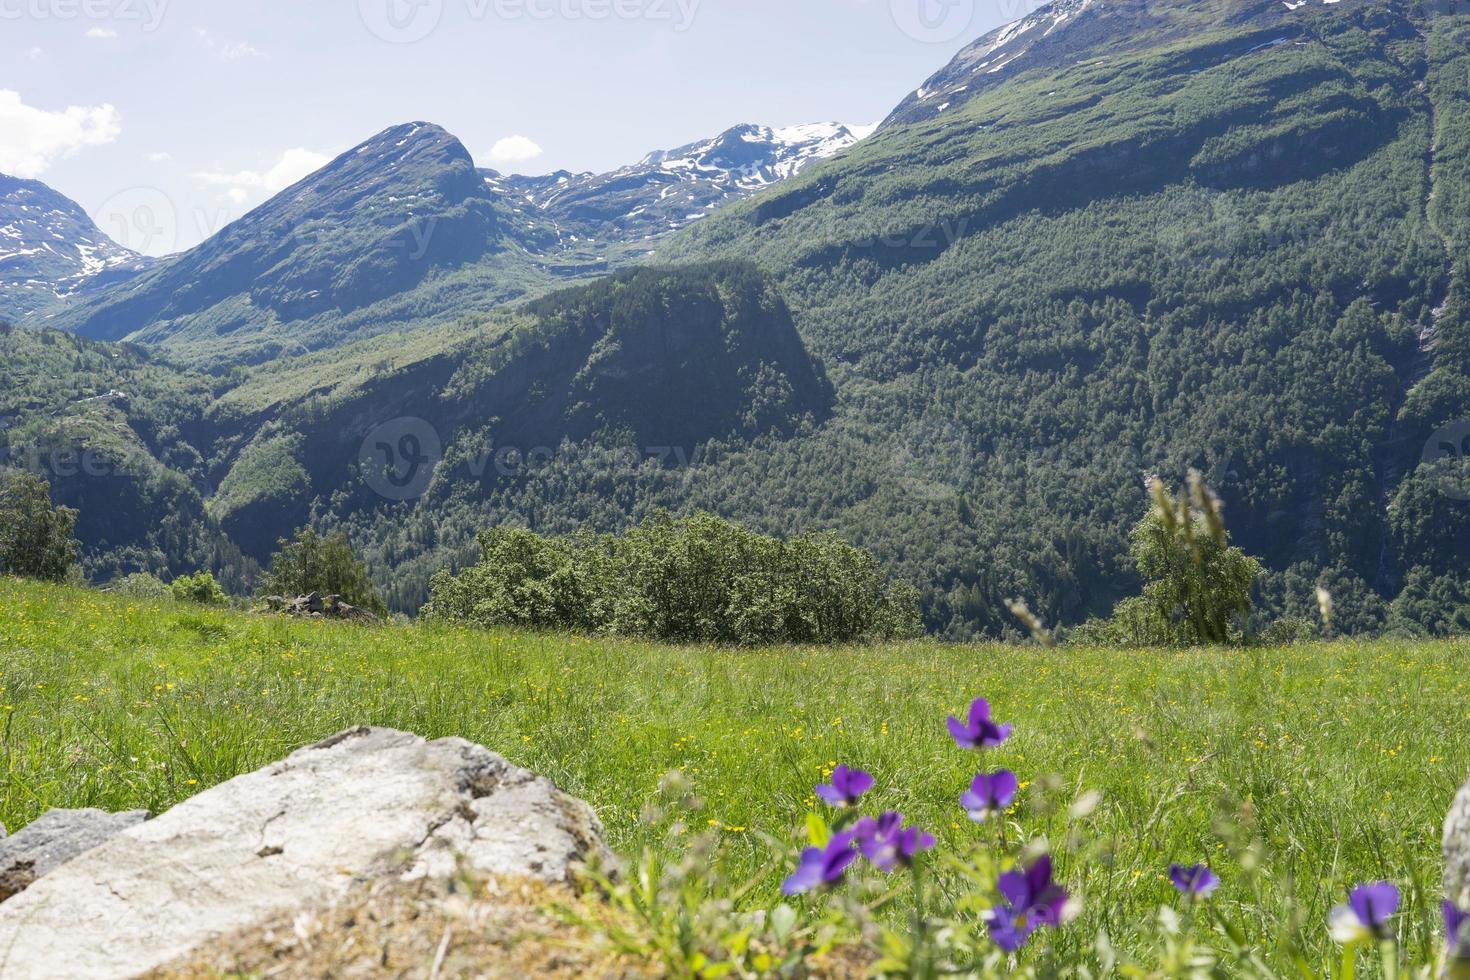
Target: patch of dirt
<point x="417" y="931"/>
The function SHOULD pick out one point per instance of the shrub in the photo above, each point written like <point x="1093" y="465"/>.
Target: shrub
<point x="314" y="563"/>
<point x="698" y="579"/>
<point x="35" y="537"/>
<point x="140" y="585"/>
<point x="199" y="587"/>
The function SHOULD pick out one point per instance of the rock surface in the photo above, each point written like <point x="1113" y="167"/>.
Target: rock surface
<point x="365" y="805"/>
<point x="1457" y="850"/>
<point x="318" y="606"/>
<point x="55" y="838"/>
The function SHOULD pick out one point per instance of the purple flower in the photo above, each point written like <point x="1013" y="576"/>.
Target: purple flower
<point x="980" y="732"/>
<point x="1033" y="895"/>
<point x="1034" y="901"/>
<point x="1007" y="930"/>
<point x="989" y="795"/>
<point x="1366" y="914"/>
<point x="1196" y="880"/>
<point x="1456" y="933"/>
<point x="887" y="843"/>
<point x="846" y="786"/>
<point x="821" y="866"/>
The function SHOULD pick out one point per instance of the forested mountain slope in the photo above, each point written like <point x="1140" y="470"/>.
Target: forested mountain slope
<point x="1227" y="236"/>
<point x="1238" y="251"/>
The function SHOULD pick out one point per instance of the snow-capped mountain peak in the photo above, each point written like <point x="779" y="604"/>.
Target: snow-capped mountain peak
<point x="669" y="189"/>
<point x="51" y="251"/>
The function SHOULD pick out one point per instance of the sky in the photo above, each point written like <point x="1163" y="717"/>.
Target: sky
<point x="167" y="119"/>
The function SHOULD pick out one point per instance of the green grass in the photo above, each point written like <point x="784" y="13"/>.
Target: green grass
<point x="1347" y="754"/>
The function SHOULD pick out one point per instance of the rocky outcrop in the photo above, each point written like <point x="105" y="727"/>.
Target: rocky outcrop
<point x="318" y="606"/>
<point x="55" y="838"/>
<point x="367" y="805"/>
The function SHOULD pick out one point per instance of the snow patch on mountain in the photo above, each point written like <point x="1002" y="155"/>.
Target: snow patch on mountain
<point x="51" y="251"/>
<point x="669" y="189"/>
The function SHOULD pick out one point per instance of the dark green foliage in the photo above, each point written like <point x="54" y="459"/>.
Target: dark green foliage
<point x="697" y="579"/>
<point x="321" y="563"/>
<point x="115" y="431"/>
<point x="35" y="537"/>
<point x="199" y="587"/>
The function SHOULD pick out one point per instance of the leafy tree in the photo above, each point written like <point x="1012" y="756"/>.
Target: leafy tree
<point x="699" y="579"/>
<point x="199" y="587"/>
<point x="35" y="537"/>
<point x="326" y="564"/>
<point x="1197" y="588"/>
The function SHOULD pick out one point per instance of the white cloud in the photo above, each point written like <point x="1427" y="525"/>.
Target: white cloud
<point x="32" y="139"/>
<point x="102" y="33"/>
<point x="36" y="54"/>
<point x="160" y="157"/>
<point x="229" y="50"/>
<point x="291" y="167"/>
<point x="514" y="149"/>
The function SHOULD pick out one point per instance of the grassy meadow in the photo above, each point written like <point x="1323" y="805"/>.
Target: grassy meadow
<point x="1316" y="766"/>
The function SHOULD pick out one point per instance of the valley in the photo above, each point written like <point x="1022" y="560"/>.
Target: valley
<point x="1210" y="246"/>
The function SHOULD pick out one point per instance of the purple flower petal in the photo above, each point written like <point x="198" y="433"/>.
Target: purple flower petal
<point x="886" y="843"/>
<point x="1456" y="933"/>
<point x="1033" y="894"/>
<point x="979" y="732"/>
<point x="1374" y="904"/>
<point x="991" y="794"/>
<point x="846" y="787"/>
<point x="1005" y="931"/>
<point x="1197" y="880"/>
<point x="821" y="866"/>
<point x="979" y="712"/>
<point x="808" y="874"/>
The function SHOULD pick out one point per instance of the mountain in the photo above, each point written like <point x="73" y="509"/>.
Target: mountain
<point x="669" y="189"/>
<point x="388" y="232"/>
<point x="51" y="252"/>
<point x="1165" y="235"/>
<point x="404" y="231"/>
<point x="1065" y="32"/>
<point x="1171" y="235"/>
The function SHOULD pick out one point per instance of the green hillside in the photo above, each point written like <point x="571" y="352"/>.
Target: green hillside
<point x="1229" y="241"/>
<point x="1224" y="253"/>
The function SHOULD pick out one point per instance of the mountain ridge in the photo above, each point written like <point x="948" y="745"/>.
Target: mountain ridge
<point x="405" y="228"/>
<point x="52" y="252"/>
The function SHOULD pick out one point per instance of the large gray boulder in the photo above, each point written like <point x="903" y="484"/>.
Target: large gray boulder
<point x="55" y="838"/>
<point x="1457" y="850"/>
<point x="363" y="806"/>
